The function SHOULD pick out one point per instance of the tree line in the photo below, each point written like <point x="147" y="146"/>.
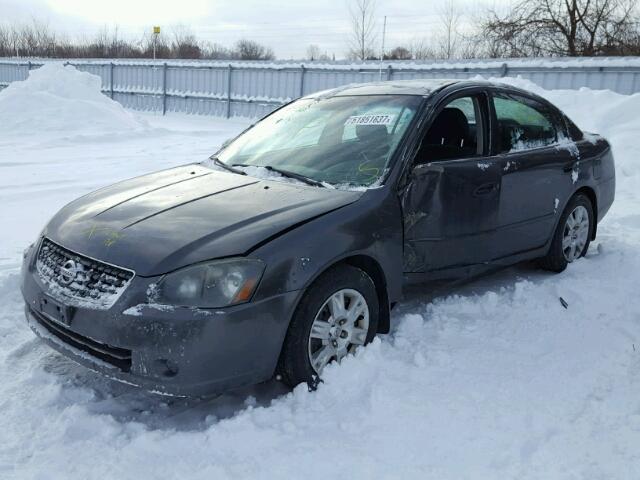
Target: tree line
<point x="37" y="39"/>
<point x="526" y="28"/>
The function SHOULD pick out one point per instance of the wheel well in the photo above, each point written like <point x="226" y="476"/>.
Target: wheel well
<point x="591" y="195"/>
<point x="373" y="269"/>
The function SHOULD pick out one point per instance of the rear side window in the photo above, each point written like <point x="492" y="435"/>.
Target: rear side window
<point x="523" y="124"/>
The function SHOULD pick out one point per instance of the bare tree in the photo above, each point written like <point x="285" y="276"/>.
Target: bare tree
<point x="4" y="42"/>
<point x="184" y="43"/>
<point x="215" y="51"/>
<point x="450" y="17"/>
<point x="421" y="49"/>
<point x="399" y="53"/>
<point x="447" y="40"/>
<point x="313" y="52"/>
<point x="563" y="27"/>
<point x="160" y="41"/>
<point x="36" y="39"/>
<point x="363" y="34"/>
<point x="250" y="50"/>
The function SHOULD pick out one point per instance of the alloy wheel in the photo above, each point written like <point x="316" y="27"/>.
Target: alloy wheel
<point x="576" y="233"/>
<point x="339" y="327"/>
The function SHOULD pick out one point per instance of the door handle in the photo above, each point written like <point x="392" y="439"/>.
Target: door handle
<point x="485" y="189"/>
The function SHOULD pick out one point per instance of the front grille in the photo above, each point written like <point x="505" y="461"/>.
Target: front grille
<point x="118" y="357"/>
<point x="79" y="280"/>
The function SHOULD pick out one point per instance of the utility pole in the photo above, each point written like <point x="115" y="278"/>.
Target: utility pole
<point x="384" y="32"/>
<point x="156" y="34"/>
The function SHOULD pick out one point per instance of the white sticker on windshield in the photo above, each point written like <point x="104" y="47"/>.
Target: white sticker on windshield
<point x="378" y="119"/>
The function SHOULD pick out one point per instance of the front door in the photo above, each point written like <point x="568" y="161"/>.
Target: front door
<point x="450" y="206"/>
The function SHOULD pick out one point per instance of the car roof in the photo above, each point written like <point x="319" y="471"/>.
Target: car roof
<point x="420" y="87"/>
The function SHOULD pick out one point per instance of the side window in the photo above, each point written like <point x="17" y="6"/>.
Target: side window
<point x="523" y="124"/>
<point x="456" y="132"/>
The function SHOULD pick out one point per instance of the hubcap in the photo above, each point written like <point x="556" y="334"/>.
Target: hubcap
<point x="339" y="327"/>
<point x="576" y="233"/>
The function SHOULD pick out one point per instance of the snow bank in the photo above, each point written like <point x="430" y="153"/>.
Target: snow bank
<point x="61" y="100"/>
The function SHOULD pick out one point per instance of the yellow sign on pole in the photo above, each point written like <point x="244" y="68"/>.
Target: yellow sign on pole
<point x="156" y="34"/>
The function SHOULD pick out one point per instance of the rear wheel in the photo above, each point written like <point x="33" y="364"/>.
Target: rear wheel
<point x="572" y="236"/>
<point x="338" y="314"/>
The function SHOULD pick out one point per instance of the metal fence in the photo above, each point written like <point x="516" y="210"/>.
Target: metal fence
<point x="252" y="89"/>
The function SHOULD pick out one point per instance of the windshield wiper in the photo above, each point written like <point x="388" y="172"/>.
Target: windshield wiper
<point x="286" y="173"/>
<point x="220" y="163"/>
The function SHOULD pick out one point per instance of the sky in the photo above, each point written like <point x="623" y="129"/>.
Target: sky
<point x="288" y="26"/>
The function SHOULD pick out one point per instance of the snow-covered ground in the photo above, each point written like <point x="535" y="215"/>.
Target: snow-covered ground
<point x="490" y="380"/>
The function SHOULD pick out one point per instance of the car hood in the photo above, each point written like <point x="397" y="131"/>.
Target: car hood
<point x="159" y="222"/>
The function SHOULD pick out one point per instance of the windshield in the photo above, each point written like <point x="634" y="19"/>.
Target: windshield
<point x="339" y="140"/>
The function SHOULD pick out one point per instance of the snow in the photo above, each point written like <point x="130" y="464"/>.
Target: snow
<point x="58" y="98"/>
<point x="265" y="174"/>
<point x="492" y="379"/>
<point x="575" y="174"/>
<point x="137" y="310"/>
<point x="569" y="145"/>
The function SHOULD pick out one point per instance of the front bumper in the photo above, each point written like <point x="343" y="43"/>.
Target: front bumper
<point x="172" y="351"/>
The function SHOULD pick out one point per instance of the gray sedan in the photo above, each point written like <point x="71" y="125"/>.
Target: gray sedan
<point x="288" y="248"/>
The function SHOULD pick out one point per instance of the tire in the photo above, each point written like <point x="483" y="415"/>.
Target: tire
<point x="571" y="238"/>
<point x="346" y="284"/>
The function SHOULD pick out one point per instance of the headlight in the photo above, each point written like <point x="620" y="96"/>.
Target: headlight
<point x="211" y="285"/>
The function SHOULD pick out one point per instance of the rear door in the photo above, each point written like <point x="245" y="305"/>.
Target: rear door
<point x="536" y="162"/>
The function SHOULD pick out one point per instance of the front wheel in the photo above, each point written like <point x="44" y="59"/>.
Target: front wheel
<point x="572" y="236"/>
<point x="338" y="314"/>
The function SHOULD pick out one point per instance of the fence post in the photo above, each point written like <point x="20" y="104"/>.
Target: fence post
<point x="504" y="69"/>
<point x="29" y="65"/>
<point x="164" y="88"/>
<point x="302" y="70"/>
<point x="389" y="72"/>
<point x="229" y="91"/>
<point x="111" y="80"/>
